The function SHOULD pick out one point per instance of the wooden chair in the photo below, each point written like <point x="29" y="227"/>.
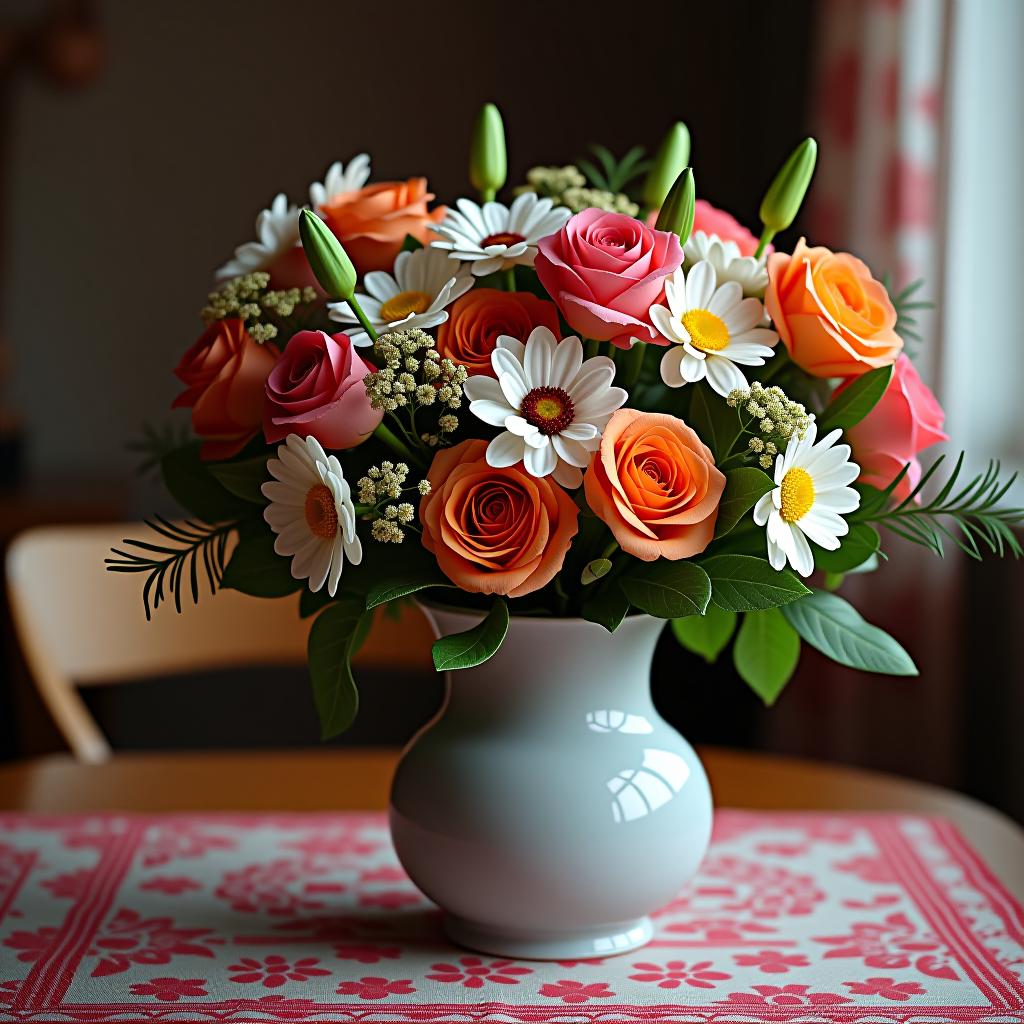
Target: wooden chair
<point x="80" y="625"/>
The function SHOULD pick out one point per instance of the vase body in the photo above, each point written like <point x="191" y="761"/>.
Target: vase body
<point x="548" y="808"/>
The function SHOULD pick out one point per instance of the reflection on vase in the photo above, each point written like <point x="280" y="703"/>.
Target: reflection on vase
<point x="640" y="791"/>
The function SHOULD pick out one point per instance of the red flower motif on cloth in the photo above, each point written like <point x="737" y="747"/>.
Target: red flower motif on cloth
<point x="576" y="991"/>
<point x="8" y="990"/>
<point x="784" y="995"/>
<point x="868" y="869"/>
<point x="771" y="961"/>
<point x="344" y="843"/>
<point x="596" y="962"/>
<point x="891" y="944"/>
<point x="33" y="945"/>
<point x="170" y="990"/>
<point x="264" y="888"/>
<point x="273" y="971"/>
<point x="366" y="952"/>
<point x="720" y="930"/>
<point x="390" y="899"/>
<point x="280" y="1005"/>
<point x="675" y="973"/>
<point x="472" y="972"/>
<point x="759" y="889"/>
<point x="181" y="840"/>
<point x="376" y="988"/>
<point x="385" y="873"/>
<point x="130" y="939"/>
<point x="171" y="885"/>
<point x="887" y="988"/>
<point x="69" y="886"/>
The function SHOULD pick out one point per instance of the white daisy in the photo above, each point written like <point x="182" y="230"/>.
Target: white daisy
<point x="810" y="497"/>
<point x="340" y="179"/>
<point x="552" y="404"/>
<point x="311" y="512"/>
<point x="713" y="329"/>
<point x="416" y="296"/>
<point x="277" y="231"/>
<point x="495" y="237"/>
<point x="751" y="274"/>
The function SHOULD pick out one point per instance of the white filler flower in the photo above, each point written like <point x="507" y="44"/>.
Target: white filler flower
<point x="277" y="231"/>
<point x="712" y="329"/>
<point x="311" y="512"/>
<point x="811" y="495"/>
<point x="494" y="236"/>
<point x="552" y="403"/>
<point x="749" y="273"/>
<point x="415" y="296"/>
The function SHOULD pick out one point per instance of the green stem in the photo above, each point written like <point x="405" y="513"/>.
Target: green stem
<point x="510" y="279"/>
<point x="610" y="550"/>
<point x="630" y="363"/>
<point x="766" y="236"/>
<point x="396" y="444"/>
<point x="487" y="195"/>
<point x="362" y="318"/>
<point x="591" y="348"/>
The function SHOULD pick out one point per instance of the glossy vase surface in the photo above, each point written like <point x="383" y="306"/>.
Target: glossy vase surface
<point x="548" y="808"/>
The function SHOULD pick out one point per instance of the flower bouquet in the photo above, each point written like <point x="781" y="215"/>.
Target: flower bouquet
<point x="559" y="422"/>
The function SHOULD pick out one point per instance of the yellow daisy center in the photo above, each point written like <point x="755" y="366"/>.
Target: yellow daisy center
<point x="797" y="494"/>
<point x="321" y="512"/>
<point x="399" y="306"/>
<point x="707" y="331"/>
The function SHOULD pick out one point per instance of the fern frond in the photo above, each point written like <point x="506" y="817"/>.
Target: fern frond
<point x="613" y="175"/>
<point x="157" y="441"/>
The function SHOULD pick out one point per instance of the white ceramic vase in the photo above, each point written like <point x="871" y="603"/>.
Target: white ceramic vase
<point x="548" y="808"/>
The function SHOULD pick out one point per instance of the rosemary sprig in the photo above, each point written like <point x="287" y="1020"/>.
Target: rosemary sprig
<point x="157" y="441"/>
<point x="613" y="175"/>
<point x="907" y="303"/>
<point x="167" y="564"/>
<point x="972" y="515"/>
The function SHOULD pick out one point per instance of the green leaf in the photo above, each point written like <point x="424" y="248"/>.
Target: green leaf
<point x="607" y="608"/>
<point x="716" y="423"/>
<point x="332" y="640"/>
<point x="411" y="244"/>
<point x="855" y="401"/>
<point x="668" y="590"/>
<point x="745" y="583"/>
<point x="243" y="479"/>
<point x="474" y="646"/>
<point x="766" y="652"/>
<point x="401" y="586"/>
<point x="257" y="569"/>
<point x="835" y="628"/>
<point x="705" y="634"/>
<point x="189" y="480"/>
<point x="743" y="487"/>
<point x="594" y="570"/>
<point x="858" y="546"/>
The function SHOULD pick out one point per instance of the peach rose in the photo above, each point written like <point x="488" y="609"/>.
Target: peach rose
<point x="372" y="222"/>
<point x="494" y="531"/>
<point x="225" y="373"/>
<point x="832" y="315"/>
<point x="906" y="420"/>
<point x="476" y="321"/>
<point x="655" y="486"/>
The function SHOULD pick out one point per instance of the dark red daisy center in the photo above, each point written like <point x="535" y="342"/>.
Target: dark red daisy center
<point x="503" y="238"/>
<point x="550" y="410"/>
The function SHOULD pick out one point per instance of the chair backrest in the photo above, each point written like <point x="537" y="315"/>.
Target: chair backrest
<point x="79" y="625"/>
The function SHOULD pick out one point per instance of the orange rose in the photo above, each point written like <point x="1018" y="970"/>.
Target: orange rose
<point x="832" y="315"/>
<point x="474" y="323"/>
<point x="494" y="531"/>
<point x="655" y="486"/>
<point x="373" y="221"/>
<point x="225" y="373"/>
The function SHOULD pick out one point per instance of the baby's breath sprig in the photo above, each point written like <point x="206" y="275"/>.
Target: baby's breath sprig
<point x="379" y="492"/>
<point x="567" y="186"/>
<point x="263" y="311"/>
<point x="774" y="419"/>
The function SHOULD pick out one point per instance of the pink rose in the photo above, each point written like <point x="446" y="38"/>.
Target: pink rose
<point x="712" y="221"/>
<point x="907" y="419"/>
<point x="316" y="390"/>
<point x="605" y="271"/>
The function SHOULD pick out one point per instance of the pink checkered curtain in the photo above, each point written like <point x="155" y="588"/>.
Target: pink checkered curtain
<point x="879" y="120"/>
<point x="878" y="117"/>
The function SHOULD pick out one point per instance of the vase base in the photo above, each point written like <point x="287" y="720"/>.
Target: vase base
<point x="567" y="945"/>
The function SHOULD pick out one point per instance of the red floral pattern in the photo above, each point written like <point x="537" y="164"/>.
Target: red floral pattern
<point x="309" y="918"/>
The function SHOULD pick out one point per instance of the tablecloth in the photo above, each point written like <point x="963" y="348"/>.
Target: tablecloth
<point x="308" y="917"/>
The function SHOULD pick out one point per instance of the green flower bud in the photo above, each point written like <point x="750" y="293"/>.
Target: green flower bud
<point x="673" y="155"/>
<point x="488" y="163"/>
<point x="327" y="257"/>
<point x="676" y="212"/>
<point x="782" y="201"/>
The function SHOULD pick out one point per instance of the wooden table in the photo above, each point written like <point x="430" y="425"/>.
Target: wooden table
<point x="359" y="780"/>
